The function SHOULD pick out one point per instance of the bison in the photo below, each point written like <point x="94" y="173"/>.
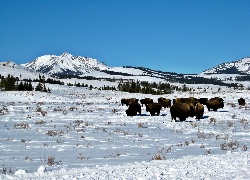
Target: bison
<point x="128" y="101"/>
<point x="133" y="109"/>
<point x="154" y="108"/>
<point x="215" y="103"/>
<point x="185" y="100"/>
<point x="199" y="111"/>
<point x="242" y="102"/>
<point x="191" y="101"/>
<point x="166" y="103"/>
<point x="203" y="100"/>
<point x="125" y="101"/>
<point x="182" y="111"/>
<point x="146" y="101"/>
<point x="160" y="99"/>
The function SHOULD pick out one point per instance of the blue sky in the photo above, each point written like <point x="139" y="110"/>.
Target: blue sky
<point x="183" y="36"/>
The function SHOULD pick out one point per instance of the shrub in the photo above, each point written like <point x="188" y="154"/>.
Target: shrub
<point x="51" y="161"/>
<point x="229" y="146"/>
<point x="159" y="157"/>
<point x="40" y="122"/>
<point x="21" y="126"/>
<point x="140" y="125"/>
<point x="213" y="121"/>
<point x="244" y="148"/>
<point x="55" y="132"/>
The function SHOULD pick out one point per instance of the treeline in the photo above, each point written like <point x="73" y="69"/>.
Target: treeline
<point x="87" y="78"/>
<point x="145" y="87"/>
<point x="116" y="73"/>
<point x="242" y="78"/>
<point x="11" y="83"/>
<point x="202" y="80"/>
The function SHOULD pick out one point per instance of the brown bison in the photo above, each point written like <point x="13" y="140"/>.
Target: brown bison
<point x="166" y="103"/>
<point x="185" y="100"/>
<point x="191" y="101"/>
<point x="128" y="101"/>
<point x="242" y="102"/>
<point x="125" y="101"/>
<point x="160" y="99"/>
<point x="154" y="108"/>
<point x="133" y="109"/>
<point x="146" y="101"/>
<point x="203" y="100"/>
<point x="199" y="111"/>
<point x="182" y="111"/>
<point x="215" y="103"/>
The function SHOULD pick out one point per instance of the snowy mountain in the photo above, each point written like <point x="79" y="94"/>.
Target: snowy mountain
<point x="65" y="64"/>
<point x="241" y="66"/>
<point x="91" y="71"/>
<point x="12" y="64"/>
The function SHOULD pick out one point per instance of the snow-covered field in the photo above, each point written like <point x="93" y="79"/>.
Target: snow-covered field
<point x="77" y="133"/>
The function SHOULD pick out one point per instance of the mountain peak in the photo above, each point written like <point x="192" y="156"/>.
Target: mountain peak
<point x="65" y="64"/>
<point x="65" y="54"/>
<point x="241" y="66"/>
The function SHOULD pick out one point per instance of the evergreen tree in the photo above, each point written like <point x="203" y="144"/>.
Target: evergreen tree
<point x="38" y="87"/>
<point x="20" y="87"/>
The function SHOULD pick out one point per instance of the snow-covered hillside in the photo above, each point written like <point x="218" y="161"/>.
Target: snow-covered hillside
<point x="16" y="70"/>
<point x="77" y="133"/>
<point x="68" y="66"/>
<point x="235" y="67"/>
<point x="65" y="64"/>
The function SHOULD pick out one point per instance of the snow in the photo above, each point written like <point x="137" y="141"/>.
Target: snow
<point x="17" y="71"/>
<point x="53" y="64"/>
<point x="77" y="133"/>
<point x="242" y="65"/>
<point x="128" y="70"/>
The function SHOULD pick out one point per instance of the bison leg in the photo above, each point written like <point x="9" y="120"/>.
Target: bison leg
<point x="152" y="113"/>
<point x="182" y="119"/>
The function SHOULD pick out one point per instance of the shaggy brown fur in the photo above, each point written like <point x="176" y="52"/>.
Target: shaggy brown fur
<point x="146" y="101"/>
<point x="215" y="103"/>
<point x="154" y="108"/>
<point x="181" y="110"/>
<point x="199" y="111"/>
<point x="133" y="109"/>
<point x="166" y="103"/>
<point x="185" y="100"/>
<point x="128" y="101"/>
<point x="203" y="101"/>
<point x="160" y="99"/>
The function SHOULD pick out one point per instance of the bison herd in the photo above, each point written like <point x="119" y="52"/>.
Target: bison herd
<point x="181" y="108"/>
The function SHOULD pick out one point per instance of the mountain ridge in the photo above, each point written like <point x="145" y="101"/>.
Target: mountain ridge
<point x="66" y="67"/>
<point x="65" y="64"/>
<point x="241" y="66"/>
